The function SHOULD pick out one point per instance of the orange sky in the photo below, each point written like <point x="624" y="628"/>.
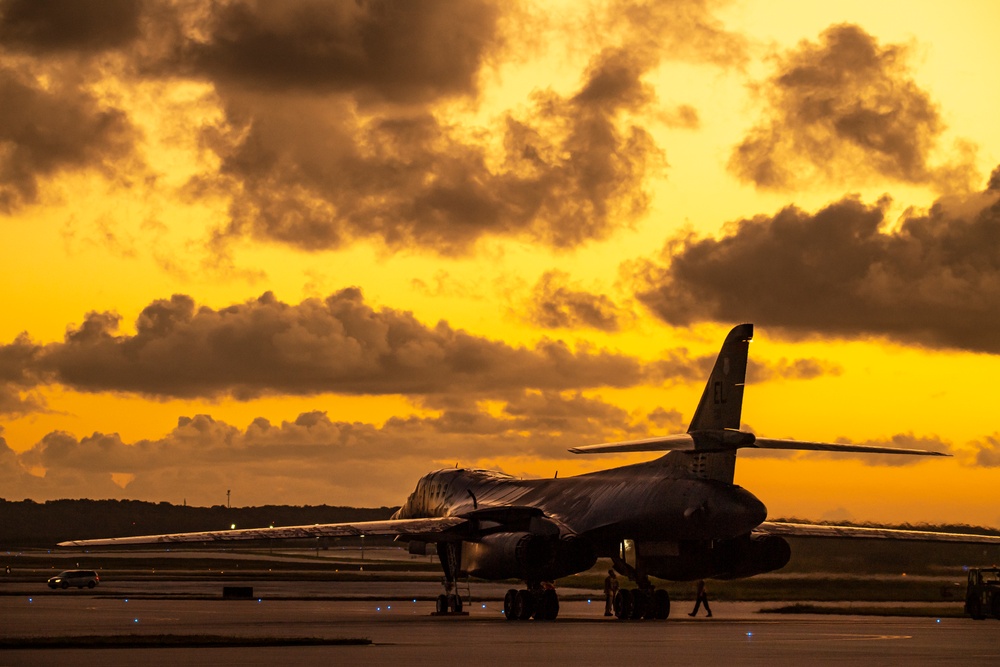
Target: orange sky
<point x="307" y="251"/>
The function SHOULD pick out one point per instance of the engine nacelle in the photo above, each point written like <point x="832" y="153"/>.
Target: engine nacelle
<point x="759" y="554"/>
<point x="525" y="556"/>
<point x="730" y="559"/>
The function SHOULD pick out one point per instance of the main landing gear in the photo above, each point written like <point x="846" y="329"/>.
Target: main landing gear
<point x="642" y="603"/>
<point x="645" y="602"/>
<point x="538" y="601"/>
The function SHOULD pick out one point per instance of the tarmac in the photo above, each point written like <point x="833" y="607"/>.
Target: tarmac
<point x="403" y="632"/>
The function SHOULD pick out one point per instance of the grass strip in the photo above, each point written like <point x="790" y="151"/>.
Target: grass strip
<point x="171" y="641"/>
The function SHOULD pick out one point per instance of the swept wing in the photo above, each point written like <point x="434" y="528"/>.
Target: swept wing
<point x="435" y="527"/>
<point x="787" y="529"/>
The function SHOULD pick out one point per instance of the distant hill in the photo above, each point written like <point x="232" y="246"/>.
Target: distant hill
<point x="26" y="523"/>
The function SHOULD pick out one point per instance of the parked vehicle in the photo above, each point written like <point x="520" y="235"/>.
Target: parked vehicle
<point x="78" y="578"/>
<point x="982" y="595"/>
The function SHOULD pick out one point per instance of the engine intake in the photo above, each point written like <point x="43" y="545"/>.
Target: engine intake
<point x="526" y="556"/>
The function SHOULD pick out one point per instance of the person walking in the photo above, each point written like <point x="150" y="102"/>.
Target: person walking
<point x="700" y="598"/>
<point x="610" y="590"/>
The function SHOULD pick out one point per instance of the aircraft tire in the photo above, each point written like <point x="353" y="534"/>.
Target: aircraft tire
<point x="623" y="604"/>
<point x="442" y="604"/>
<point x="548" y="606"/>
<point x="661" y="604"/>
<point x="639" y="604"/>
<point x="455" y="603"/>
<point x="508" y="605"/>
<point x="525" y="604"/>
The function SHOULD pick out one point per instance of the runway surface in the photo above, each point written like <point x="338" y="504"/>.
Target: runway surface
<point x="404" y="633"/>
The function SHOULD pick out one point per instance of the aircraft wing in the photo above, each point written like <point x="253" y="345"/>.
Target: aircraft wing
<point x="785" y="529"/>
<point x="432" y="529"/>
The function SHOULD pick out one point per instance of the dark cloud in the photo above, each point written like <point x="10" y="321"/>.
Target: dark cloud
<point x="339" y="345"/>
<point x="48" y="130"/>
<point x="934" y="280"/>
<point x="44" y="26"/>
<point x="17" y="378"/>
<point x="556" y="304"/>
<point x="844" y="109"/>
<point x="397" y="51"/>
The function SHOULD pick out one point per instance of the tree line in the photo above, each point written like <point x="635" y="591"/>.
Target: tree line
<point x="26" y="523"/>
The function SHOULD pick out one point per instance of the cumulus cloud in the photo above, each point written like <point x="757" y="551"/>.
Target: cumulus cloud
<point x="320" y="172"/>
<point x="845" y="105"/>
<point x="339" y="344"/>
<point x="342" y="121"/>
<point x="311" y="459"/>
<point x="557" y="304"/>
<point x="684" y="30"/>
<point x="933" y="279"/>
<point x="987" y="451"/>
<point x="45" y="130"/>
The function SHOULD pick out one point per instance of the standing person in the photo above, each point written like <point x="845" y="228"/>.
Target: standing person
<point x="610" y="590"/>
<point x="701" y="597"/>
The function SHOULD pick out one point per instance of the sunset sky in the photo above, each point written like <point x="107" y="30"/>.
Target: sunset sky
<point x="307" y="251"/>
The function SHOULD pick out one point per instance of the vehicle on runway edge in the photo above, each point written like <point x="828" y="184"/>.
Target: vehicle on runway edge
<point x="678" y="517"/>
<point x="982" y="594"/>
<point x="78" y="578"/>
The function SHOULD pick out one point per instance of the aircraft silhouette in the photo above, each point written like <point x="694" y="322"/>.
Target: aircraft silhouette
<point x="678" y="517"/>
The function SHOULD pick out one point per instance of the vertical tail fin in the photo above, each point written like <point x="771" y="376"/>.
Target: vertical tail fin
<point x="722" y="402"/>
<point x="721" y="405"/>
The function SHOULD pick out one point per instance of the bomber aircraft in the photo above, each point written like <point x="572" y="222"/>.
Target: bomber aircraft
<point x="678" y="517"/>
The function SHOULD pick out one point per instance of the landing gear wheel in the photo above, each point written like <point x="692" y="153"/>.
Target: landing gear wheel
<point x="661" y="604"/>
<point x="524" y="604"/>
<point x="548" y="606"/>
<point x="455" y="603"/>
<point x="623" y="604"/>
<point x="509" y="612"/>
<point x="639" y="604"/>
<point x="441" y="606"/>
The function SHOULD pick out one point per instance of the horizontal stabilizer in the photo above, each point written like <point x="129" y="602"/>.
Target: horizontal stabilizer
<point x="682" y="441"/>
<point x="731" y="440"/>
<point x="770" y="443"/>
<point x="857" y="532"/>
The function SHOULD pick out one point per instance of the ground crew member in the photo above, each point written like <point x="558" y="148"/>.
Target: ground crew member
<point x="701" y="597"/>
<point x="610" y="590"/>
